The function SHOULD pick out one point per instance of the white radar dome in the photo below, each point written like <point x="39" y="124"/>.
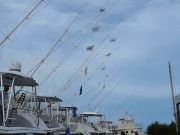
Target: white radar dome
<point x="15" y="66"/>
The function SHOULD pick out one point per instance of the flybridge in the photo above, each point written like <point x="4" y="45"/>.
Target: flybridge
<point x="19" y="79"/>
<point x="11" y="79"/>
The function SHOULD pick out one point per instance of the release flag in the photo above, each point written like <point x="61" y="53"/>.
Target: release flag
<point x="103" y="68"/>
<point x="113" y="40"/>
<point x="86" y="70"/>
<point x="95" y="28"/>
<point x="102" y="9"/>
<point x="80" y="91"/>
<point x="90" y="48"/>
<point x="108" y="54"/>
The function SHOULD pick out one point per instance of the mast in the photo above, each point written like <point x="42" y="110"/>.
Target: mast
<point x="173" y="98"/>
<point x="14" y="29"/>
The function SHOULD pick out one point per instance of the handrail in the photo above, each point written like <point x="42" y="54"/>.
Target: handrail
<point x="7" y="113"/>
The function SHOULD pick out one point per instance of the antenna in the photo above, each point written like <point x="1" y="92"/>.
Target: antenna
<point x="26" y="17"/>
<point x="173" y="98"/>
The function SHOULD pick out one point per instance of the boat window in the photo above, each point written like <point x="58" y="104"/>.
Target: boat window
<point x="131" y="131"/>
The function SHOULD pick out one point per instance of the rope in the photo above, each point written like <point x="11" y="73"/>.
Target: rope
<point x="78" y="71"/>
<point x="96" y="96"/>
<point x="107" y="94"/>
<point x="56" y="45"/>
<point x="76" y="75"/>
<point x="26" y="17"/>
<point x="57" y="66"/>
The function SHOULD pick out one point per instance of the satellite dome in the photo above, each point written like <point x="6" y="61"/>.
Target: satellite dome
<point x="15" y="66"/>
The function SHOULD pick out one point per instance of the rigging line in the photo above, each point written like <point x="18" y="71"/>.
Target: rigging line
<point x="119" y="107"/>
<point x="96" y="70"/>
<point x="91" y="76"/>
<point x="58" y="65"/>
<point x="56" y="45"/>
<point x="36" y="67"/>
<point x="96" y="53"/>
<point x="26" y="17"/>
<point x="96" y="19"/>
<point x="67" y="83"/>
<point x="97" y="95"/>
<point x="107" y="94"/>
<point x="74" y="76"/>
<point x="100" y="51"/>
<point x="80" y="31"/>
<point x="108" y="10"/>
<point x="103" y="63"/>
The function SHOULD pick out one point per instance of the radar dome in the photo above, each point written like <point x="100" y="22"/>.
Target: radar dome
<point x="15" y="66"/>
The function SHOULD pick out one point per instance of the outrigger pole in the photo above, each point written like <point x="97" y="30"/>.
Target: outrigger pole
<point x="173" y="98"/>
<point x="14" y="29"/>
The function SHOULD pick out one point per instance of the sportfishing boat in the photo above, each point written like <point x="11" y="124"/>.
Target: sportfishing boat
<point x="86" y="123"/>
<point x="127" y="126"/>
<point x="49" y="113"/>
<point x="15" y="116"/>
<point x="94" y="119"/>
<point x="70" y="119"/>
<point x="19" y="108"/>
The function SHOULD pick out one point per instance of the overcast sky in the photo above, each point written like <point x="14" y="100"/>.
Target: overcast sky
<point x="147" y="37"/>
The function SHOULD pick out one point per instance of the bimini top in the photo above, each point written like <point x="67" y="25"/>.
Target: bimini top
<point x="48" y="99"/>
<point x="20" y="79"/>
<point x="91" y="114"/>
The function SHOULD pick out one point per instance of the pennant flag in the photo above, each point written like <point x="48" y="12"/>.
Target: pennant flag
<point x="108" y="54"/>
<point x="95" y="28"/>
<point x="80" y="91"/>
<point x="86" y="70"/>
<point x="102" y="9"/>
<point x="67" y="131"/>
<point x="90" y="48"/>
<point x="113" y="40"/>
<point x="103" y="68"/>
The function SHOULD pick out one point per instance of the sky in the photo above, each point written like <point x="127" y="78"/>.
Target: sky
<point x="133" y="79"/>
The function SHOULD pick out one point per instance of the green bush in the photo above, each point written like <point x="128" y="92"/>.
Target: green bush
<point x="161" y="129"/>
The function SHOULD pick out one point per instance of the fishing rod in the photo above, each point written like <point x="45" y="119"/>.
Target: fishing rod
<point x="99" y="67"/>
<point x="51" y="51"/>
<point x="100" y="51"/>
<point x="32" y="71"/>
<point x="120" y="106"/>
<point x="97" y="95"/>
<point x="76" y="75"/>
<point x="106" y="95"/>
<point x="14" y="29"/>
<point x="56" y="45"/>
<point x="88" y="79"/>
<point x="57" y="66"/>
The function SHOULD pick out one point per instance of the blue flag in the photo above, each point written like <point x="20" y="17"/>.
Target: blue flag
<point x="67" y="132"/>
<point x="80" y="91"/>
